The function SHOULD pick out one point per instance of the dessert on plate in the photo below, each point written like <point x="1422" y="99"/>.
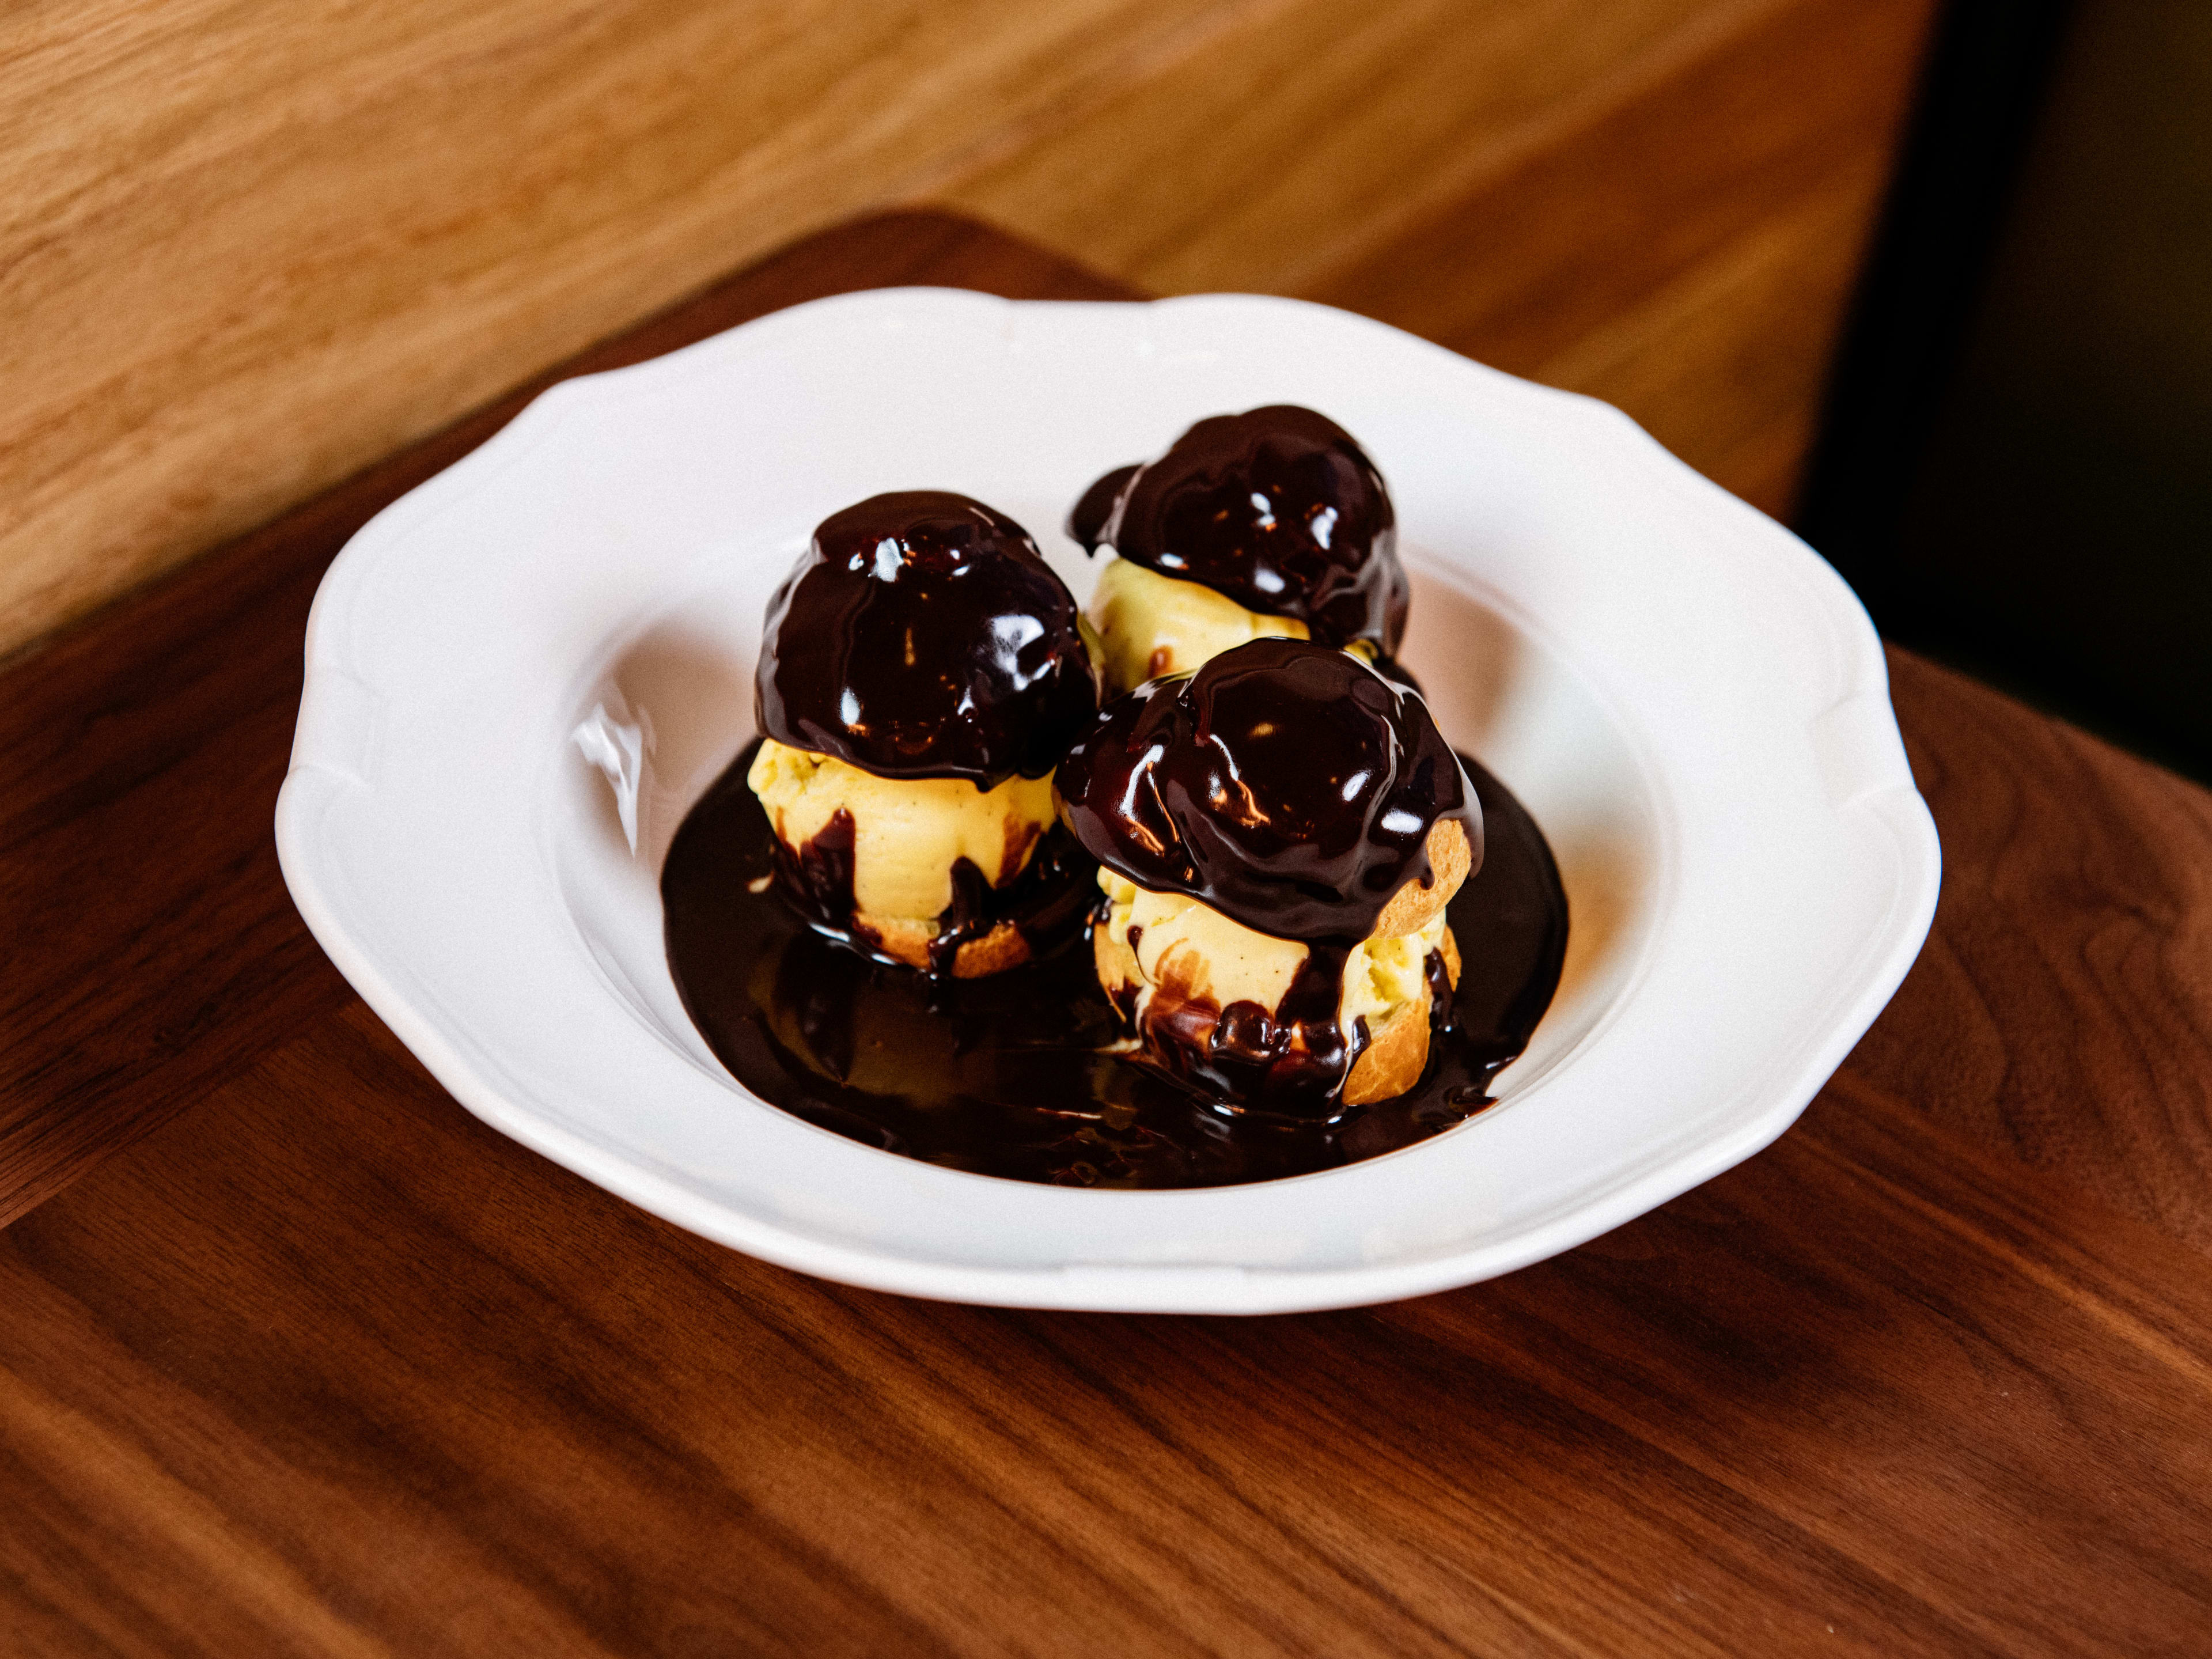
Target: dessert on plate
<point x="1208" y="933"/>
<point x="1271" y="524"/>
<point x="1278" y="835"/>
<point x="921" y="673"/>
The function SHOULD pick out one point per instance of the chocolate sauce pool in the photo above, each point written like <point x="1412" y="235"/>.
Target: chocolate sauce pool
<point x="1007" y="1076"/>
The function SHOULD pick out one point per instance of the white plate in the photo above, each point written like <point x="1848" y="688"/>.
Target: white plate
<point x="1691" y="703"/>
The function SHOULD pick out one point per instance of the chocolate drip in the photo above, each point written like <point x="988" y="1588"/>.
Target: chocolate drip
<point x="1279" y="508"/>
<point x="922" y="635"/>
<point x="816" y="877"/>
<point x="1288" y="786"/>
<point x="1017" y="1075"/>
<point x="1290" y="1061"/>
<point x="1047" y="902"/>
<point x="958" y="923"/>
<point x="1433" y="969"/>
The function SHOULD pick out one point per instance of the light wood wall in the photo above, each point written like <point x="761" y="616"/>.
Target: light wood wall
<point x="246" y="246"/>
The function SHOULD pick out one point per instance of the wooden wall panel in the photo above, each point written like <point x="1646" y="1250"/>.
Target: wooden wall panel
<point x="1687" y="251"/>
<point x="246" y="247"/>
<point x="1309" y="136"/>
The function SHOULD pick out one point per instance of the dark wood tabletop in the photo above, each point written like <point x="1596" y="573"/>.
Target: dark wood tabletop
<point x="298" y="1357"/>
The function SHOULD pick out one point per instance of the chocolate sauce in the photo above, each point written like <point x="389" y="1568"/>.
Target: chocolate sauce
<point x="1289" y="1062"/>
<point x="1277" y="508"/>
<point x="1290" y="786"/>
<point x="922" y="635"/>
<point x="1016" y="1075"/>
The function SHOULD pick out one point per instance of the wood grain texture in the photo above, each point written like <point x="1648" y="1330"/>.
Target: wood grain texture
<point x="2062" y="1008"/>
<point x="328" y="1367"/>
<point x="322" y="1366"/>
<point x="246" y="248"/>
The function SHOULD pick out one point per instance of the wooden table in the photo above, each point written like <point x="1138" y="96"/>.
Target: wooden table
<point x="295" y="1357"/>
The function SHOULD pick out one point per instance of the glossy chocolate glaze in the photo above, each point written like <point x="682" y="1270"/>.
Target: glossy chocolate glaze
<point x="1290" y="786"/>
<point x="922" y="635"/>
<point x="1279" y="508"/>
<point x="1016" y="1075"/>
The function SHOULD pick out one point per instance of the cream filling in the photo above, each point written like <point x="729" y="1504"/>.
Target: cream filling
<point x="1204" y="954"/>
<point x="906" y="832"/>
<point x="1150" y="624"/>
